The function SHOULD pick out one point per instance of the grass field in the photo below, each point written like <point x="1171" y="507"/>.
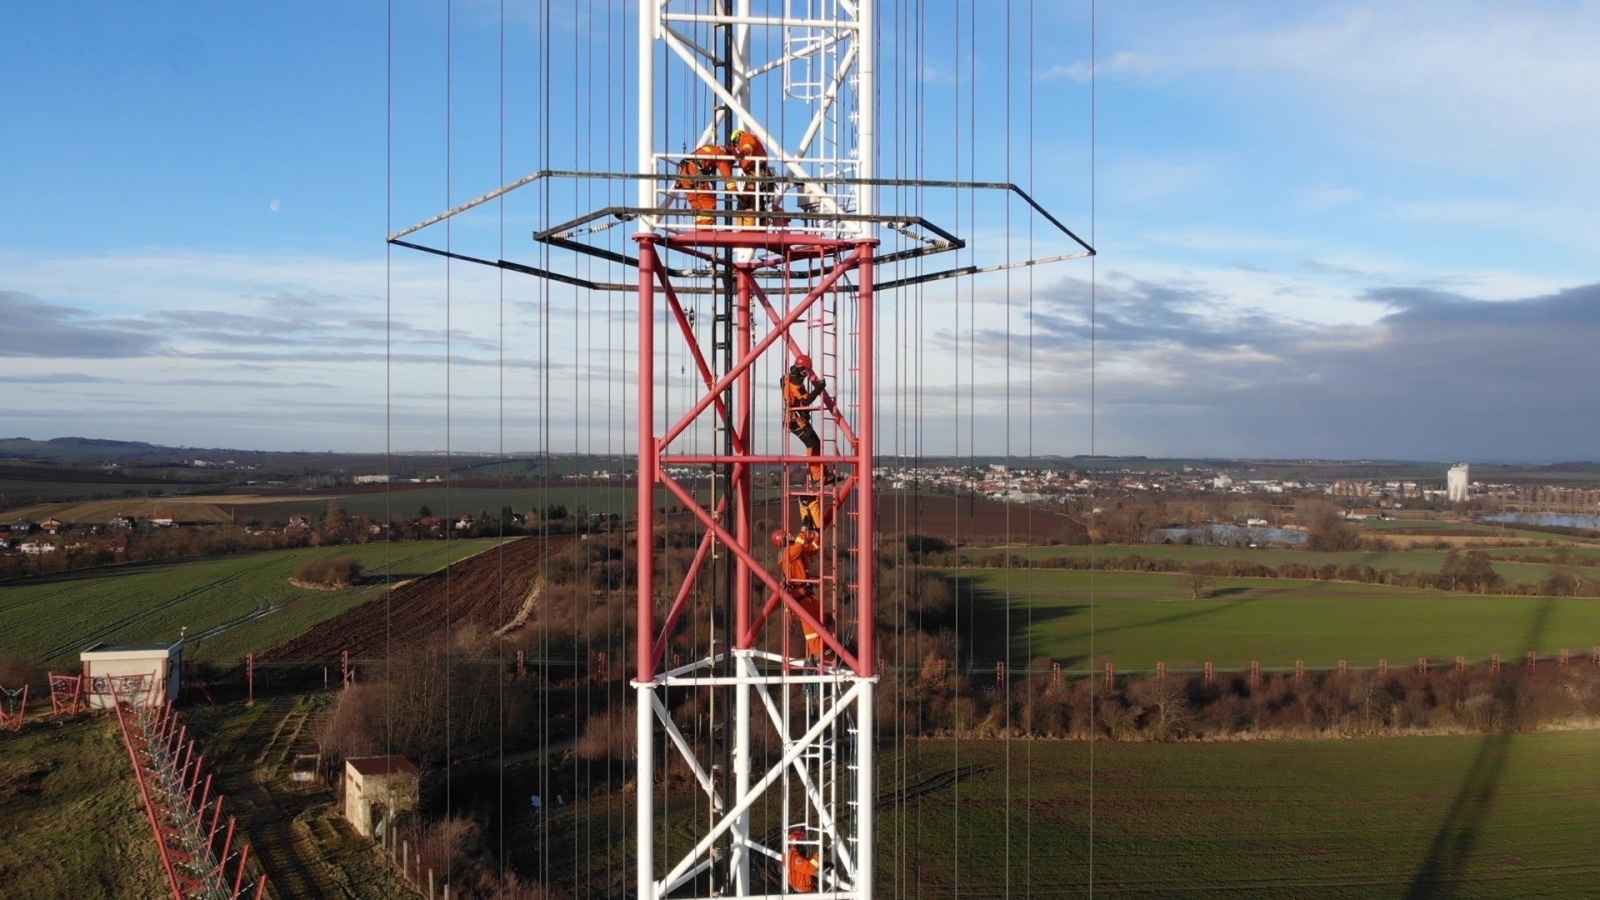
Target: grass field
<point x="1402" y="560"/>
<point x="1437" y="816"/>
<point x="1491" y="816"/>
<point x="231" y="605"/>
<point x="1136" y="619"/>
<point x="401" y="502"/>
<point x="73" y="824"/>
<point x="1422" y="528"/>
<point x="456" y="501"/>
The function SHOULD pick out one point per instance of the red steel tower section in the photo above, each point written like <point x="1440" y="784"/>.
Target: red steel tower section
<point x="812" y="694"/>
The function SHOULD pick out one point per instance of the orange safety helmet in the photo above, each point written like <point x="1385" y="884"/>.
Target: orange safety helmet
<point x="803" y="361"/>
<point x="779" y="537"/>
<point x="797" y="834"/>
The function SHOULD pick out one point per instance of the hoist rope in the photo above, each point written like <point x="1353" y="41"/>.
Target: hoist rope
<point x="449" y="396"/>
<point x="1094" y="67"/>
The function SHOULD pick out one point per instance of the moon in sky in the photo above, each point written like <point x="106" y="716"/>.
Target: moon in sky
<point x="275" y="205"/>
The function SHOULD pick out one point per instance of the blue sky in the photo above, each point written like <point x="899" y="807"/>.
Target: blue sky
<point x="1326" y="229"/>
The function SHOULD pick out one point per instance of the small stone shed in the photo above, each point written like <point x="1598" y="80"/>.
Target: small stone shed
<point x="376" y="790"/>
<point x="108" y="665"/>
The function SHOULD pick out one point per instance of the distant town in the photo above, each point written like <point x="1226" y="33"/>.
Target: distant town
<point x="97" y="502"/>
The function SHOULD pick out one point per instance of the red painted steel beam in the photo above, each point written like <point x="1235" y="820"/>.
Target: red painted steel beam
<point x="742" y="494"/>
<point x="761" y="572"/>
<point x="689" y="338"/>
<point x="754" y="353"/>
<point x="866" y="505"/>
<point x="649" y="451"/>
<point x="680" y="602"/>
<point x="244" y="858"/>
<point x="828" y="401"/>
<point x="709" y="459"/>
<point x="773" y="241"/>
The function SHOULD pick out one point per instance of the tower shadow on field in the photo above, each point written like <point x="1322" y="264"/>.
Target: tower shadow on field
<point x="1457" y="838"/>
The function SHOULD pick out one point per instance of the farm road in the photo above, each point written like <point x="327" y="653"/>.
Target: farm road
<point x="303" y="846"/>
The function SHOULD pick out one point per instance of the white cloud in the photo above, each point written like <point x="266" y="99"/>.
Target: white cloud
<point x="1126" y="62"/>
<point x="1136" y="179"/>
<point x="1226" y="240"/>
<point x="1322" y="198"/>
<point x="1457" y="84"/>
<point x="210" y="349"/>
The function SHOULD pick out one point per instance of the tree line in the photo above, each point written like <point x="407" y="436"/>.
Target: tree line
<point x="1471" y="572"/>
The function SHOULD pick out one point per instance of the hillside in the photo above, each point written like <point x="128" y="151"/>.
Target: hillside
<point x="476" y="595"/>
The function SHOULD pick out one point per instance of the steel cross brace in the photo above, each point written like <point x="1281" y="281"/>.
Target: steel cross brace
<point x="759" y="570"/>
<point x="680" y="603"/>
<point x="826" y="396"/>
<point x="679" y="872"/>
<point x="750" y="356"/>
<point x="812" y="792"/>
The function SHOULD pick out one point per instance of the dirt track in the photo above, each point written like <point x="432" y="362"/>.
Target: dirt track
<point x="480" y="592"/>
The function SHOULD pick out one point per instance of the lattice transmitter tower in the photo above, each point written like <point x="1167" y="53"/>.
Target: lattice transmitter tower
<point x="758" y="194"/>
<point x="776" y="200"/>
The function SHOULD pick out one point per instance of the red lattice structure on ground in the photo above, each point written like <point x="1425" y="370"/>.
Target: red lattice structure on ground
<point x="185" y="817"/>
<point x="13" y="708"/>
<point x="66" y="695"/>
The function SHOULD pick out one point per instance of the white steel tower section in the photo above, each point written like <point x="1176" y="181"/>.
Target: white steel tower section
<point x="800" y="77"/>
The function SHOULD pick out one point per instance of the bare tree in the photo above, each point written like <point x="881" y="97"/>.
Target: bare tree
<point x="1164" y="705"/>
<point x="1198" y="582"/>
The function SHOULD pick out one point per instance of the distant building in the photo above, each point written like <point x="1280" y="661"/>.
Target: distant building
<point x="1222" y="483"/>
<point x="1455" y="484"/>
<point x="371" y="479"/>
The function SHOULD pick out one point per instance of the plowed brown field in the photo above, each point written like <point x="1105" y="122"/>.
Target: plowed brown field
<point x="482" y="592"/>
<point x="964" y="519"/>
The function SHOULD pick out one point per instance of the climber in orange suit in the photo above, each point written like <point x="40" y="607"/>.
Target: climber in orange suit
<point x="753" y="194"/>
<point x="707" y="161"/>
<point x="794" y="564"/>
<point x="800" y="868"/>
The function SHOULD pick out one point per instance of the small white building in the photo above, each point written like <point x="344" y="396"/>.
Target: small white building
<point x="376" y="789"/>
<point x="104" y="664"/>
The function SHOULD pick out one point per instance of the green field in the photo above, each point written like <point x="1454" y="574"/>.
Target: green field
<point x="233" y="604"/>
<point x="459" y="501"/>
<point x="1577" y="556"/>
<point x="1461" y="816"/>
<point x="1502" y="815"/>
<point x="1402" y="560"/>
<point x="1136" y="619"/>
<point x="456" y="501"/>
<point x="1421" y="528"/>
<point x="74" y="826"/>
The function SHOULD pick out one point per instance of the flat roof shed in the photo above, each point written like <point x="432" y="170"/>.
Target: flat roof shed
<point x="376" y="789"/>
<point x="118" y="666"/>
